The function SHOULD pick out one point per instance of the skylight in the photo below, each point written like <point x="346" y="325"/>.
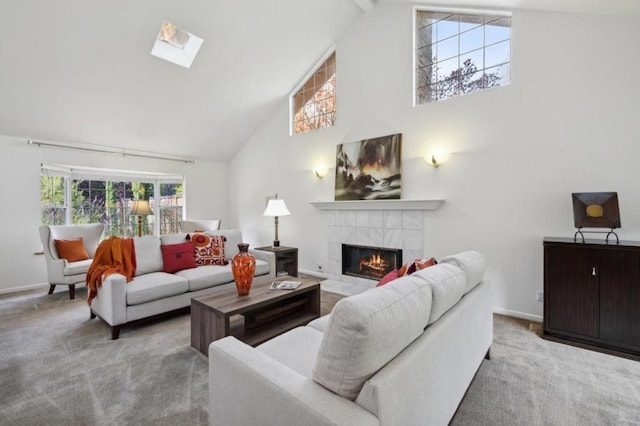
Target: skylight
<point x="176" y="45"/>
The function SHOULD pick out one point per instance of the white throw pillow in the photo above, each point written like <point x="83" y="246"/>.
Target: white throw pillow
<point x="368" y="330"/>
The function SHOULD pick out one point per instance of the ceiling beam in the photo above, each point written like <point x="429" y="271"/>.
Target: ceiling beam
<point x="365" y="5"/>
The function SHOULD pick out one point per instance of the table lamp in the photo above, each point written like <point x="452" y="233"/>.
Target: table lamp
<point x="276" y="207"/>
<point x="141" y="208"/>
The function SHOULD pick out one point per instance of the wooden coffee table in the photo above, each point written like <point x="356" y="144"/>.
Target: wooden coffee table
<point x="255" y="318"/>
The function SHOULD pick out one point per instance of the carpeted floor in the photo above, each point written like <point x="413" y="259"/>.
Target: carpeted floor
<point x="59" y="367"/>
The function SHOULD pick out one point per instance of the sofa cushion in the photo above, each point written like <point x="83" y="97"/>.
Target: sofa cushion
<point x="79" y="267"/>
<point x="297" y="349"/>
<point x="206" y="276"/>
<point x="472" y="263"/>
<point x="154" y="286"/>
<point x="72" y="250"/>
<point x="148" y="254"/>
<point x="447" y="283"/>
<point x="369" y="329"/>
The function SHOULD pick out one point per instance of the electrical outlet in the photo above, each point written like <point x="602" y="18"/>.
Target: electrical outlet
<point x="539" y="296"/>
<point x="320" y="267"/>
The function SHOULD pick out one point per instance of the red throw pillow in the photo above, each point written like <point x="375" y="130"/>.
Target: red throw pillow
<point x="388" y="278"/>
<point x="176" y="257"/>
<point x="209" y="249"/>
<point x="72" y="250"/>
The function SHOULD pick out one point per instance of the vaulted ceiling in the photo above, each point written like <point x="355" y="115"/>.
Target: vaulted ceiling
<point x="81" y="71"/>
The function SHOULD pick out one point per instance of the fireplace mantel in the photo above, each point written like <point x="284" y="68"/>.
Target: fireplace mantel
<point x="378" y="205"/>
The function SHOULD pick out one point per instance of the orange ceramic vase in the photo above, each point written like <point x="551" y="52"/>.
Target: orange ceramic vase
<point x="243" y="266"/>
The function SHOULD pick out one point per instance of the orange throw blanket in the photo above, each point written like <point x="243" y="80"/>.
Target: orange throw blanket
<point x="114" y="256"/>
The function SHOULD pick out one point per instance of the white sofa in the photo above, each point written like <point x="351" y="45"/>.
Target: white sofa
<point x="61" y="271"/>
<point x="202" y="225"/>
<point x="153" y="293"/>
<point x="401" y="354"/>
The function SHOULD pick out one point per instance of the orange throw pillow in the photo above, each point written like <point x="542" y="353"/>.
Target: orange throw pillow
<point x="72" y="250"/>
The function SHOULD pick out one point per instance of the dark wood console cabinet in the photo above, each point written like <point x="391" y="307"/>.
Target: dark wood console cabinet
<point x="592" y="295"/>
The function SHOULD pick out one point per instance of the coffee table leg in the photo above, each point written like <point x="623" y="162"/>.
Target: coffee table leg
<point x="221" y="327"/>
<point x="206" y="327"/>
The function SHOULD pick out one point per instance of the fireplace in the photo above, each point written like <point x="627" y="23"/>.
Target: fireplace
<point x="369" y="262"/>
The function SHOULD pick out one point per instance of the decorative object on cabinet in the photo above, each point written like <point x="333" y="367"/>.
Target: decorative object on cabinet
<point x="369" y="169"/>
<point x="592" y="295"/>
<point x="596" y="210"/>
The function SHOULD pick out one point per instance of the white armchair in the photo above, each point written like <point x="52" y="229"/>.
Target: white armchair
<point x="61" y="271"/>
<point x="199" y="225"/>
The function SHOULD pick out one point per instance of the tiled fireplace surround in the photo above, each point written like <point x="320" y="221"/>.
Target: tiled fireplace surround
<point x="378" y="228"/>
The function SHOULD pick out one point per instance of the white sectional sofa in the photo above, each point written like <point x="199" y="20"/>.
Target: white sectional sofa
<point x="153" y="292"/>
<point x="401" y="354"/>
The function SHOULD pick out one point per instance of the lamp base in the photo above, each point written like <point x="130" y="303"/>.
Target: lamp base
<point x="276" y="243"/>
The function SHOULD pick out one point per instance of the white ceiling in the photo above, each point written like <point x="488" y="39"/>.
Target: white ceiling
<point x="82" y="71"/>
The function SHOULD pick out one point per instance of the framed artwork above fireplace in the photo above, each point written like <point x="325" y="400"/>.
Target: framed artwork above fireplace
<point x="369" y="169"/>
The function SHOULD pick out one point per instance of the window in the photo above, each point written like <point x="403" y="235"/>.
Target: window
<point x="459" y="53"/>
<point x="314" y="104"/>
<point x="83" y="195"/>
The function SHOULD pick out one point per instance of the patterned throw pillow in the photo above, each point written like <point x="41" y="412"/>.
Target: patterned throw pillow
<point x="416" y="265"/>
<point x="209" y="249"/>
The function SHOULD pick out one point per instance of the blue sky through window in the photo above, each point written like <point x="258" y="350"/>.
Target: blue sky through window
<point x="445" y="41"/>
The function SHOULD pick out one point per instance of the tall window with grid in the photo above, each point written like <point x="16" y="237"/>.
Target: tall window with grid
<point x="314" y="105"/>
<point x="460" y="53"/>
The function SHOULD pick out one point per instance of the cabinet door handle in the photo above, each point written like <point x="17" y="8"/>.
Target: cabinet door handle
<point x="593" y="271"/>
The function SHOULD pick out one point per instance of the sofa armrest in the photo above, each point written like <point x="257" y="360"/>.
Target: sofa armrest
<point x="266" y="256"/>
<point x="111" y="302"/>
<point x="247" y="387"/>
<point x="55" y="270"/>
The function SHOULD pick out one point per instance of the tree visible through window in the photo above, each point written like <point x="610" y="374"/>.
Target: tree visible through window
<point x="460" y="53"/>
<point x="314" y="105"/>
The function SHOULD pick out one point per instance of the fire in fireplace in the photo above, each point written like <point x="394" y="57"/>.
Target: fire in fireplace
<point x="369" y="262"/>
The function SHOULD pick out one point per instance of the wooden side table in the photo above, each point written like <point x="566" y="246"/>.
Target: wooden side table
<point x="286" y="259"/>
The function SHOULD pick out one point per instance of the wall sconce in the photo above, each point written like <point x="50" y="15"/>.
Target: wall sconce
<point x="320" y="172"/>
<point x="436" y="159"/>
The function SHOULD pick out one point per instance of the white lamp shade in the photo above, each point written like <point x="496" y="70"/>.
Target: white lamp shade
<point x="276" y="207"/>
<point x="141" y="208"/>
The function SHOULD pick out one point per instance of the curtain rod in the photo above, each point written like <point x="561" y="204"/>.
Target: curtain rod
<point x="114" y="150"/>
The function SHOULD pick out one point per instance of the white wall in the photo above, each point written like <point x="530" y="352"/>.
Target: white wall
<point x="206" y="189"/>
<point x="569" y="122"/>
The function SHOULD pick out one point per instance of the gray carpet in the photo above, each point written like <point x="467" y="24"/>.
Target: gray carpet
<point x="58" y="367"/>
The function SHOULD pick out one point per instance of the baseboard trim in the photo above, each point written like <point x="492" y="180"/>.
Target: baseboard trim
<point x="23" y="288"/>
<point x="516" y="314"/>
<point x="313" y="273"/>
